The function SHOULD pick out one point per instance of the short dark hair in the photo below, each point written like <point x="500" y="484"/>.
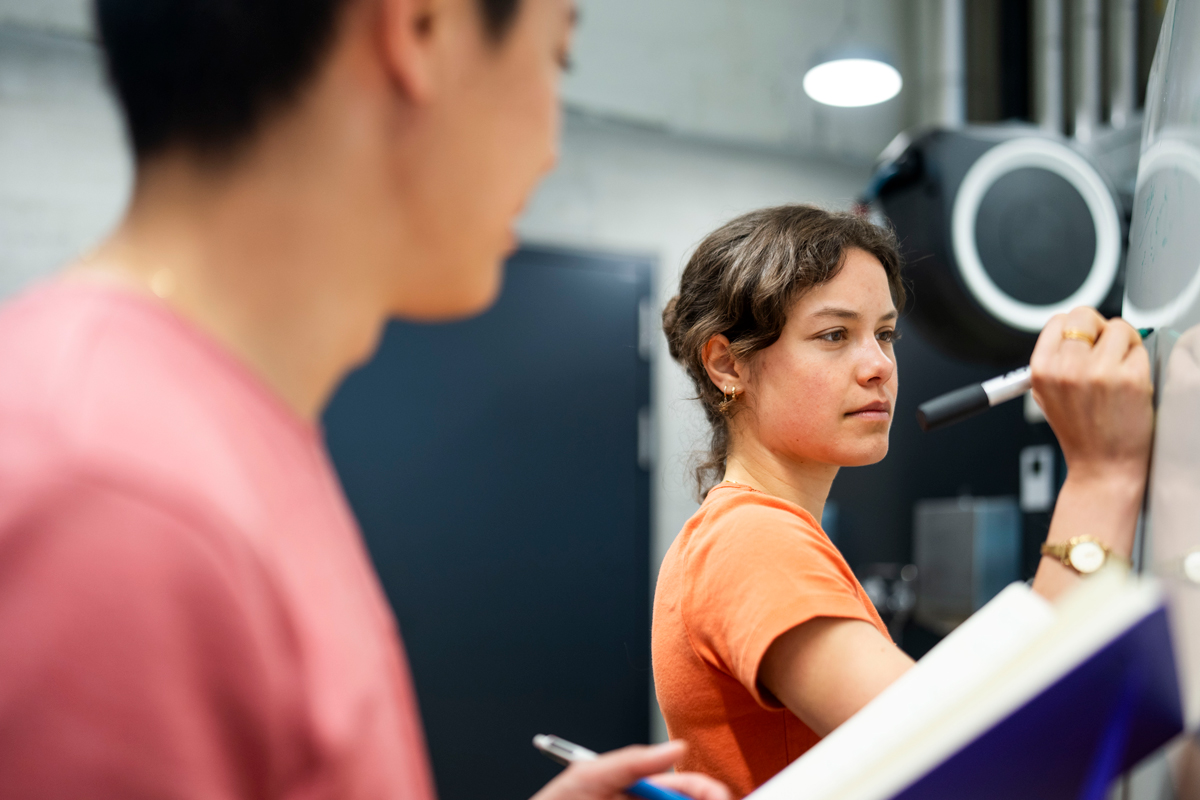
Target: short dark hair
<point x="743" y="280"/>
<point x="205" y="73"/>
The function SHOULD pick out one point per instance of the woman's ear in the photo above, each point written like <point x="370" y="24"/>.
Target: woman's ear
<point x="721" y="366"/>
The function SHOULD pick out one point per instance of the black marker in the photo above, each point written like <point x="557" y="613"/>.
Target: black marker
<point x="970" y="400"/>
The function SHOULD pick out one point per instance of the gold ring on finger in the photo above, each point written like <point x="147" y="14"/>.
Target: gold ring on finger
<point x="1079" y="336"/>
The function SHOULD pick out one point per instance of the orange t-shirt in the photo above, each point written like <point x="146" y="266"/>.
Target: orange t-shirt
<point x="746" y="568"/>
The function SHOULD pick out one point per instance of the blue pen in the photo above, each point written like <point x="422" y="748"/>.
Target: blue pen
<point x="565" y="752"/>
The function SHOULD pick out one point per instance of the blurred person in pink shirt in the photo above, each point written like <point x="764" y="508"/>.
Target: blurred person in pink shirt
<point x="186" y="606"/>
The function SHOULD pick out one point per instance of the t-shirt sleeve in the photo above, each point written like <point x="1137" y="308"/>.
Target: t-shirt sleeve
<point x="136" y="661"/>
<point x="753" y="575"/>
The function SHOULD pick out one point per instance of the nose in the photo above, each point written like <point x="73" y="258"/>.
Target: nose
<point x="875" y="365"/>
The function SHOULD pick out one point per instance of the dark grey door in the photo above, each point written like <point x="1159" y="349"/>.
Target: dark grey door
<point x="494" y="467"/>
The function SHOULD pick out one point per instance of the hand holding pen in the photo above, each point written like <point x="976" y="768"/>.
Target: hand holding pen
<point x="1091" y="376"/>
<point x="621" y="773"/>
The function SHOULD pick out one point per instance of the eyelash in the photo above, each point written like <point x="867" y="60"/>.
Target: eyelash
<point x="565" y="63"/>
<point x="890" y="336"/>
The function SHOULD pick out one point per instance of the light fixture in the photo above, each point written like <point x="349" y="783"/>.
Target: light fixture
<point x="849" y="73"/>
<point x="852" y="82"/>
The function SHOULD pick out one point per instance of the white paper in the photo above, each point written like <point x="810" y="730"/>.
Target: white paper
<point x="947" y="675"/>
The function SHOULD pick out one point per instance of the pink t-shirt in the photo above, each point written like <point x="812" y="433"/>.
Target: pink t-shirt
<point x="186" y="606"/>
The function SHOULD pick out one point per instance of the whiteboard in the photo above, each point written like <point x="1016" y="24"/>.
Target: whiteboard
<point x="1162" y="291"/>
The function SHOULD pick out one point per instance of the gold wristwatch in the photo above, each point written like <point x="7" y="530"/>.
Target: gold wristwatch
<point x="1084" y="554"/>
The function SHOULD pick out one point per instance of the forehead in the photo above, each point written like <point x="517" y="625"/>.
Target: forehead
<point x="861" y="285"/>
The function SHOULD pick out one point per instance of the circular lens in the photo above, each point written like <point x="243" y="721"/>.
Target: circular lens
<point x="1163" y="282"/>
<point x="1036" y="236"/>
<point x="1037" y="155"/>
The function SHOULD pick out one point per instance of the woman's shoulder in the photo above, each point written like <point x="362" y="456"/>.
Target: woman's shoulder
<point x="748" y="547"/>
<point x="734" y="512"/>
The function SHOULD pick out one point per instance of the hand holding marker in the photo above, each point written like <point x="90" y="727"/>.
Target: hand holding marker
<point x="565" y="752"/>
<point x="970" y="400"/>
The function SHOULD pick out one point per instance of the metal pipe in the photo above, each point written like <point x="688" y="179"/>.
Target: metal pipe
<point x="1086" y="72"/>
<point x="952" y="69"/>
<point x="1048" y="27"/>
<point x="1122" y="61"/>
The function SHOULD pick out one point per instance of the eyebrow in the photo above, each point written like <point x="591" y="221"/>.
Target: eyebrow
<point x="846" y="313"/>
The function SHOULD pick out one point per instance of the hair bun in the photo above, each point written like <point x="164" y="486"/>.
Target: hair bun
<point x="670" y="325"/>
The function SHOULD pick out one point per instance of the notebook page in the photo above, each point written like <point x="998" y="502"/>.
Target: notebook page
<point x="1114" y="604"/>
<point x="943" y="679"/>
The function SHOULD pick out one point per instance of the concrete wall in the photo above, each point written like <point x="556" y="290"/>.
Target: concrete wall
<point x="733" y="70"/>
<point x="64" y="170"/>
<point x="70" y="17"/>
<point x="723" y="69"/>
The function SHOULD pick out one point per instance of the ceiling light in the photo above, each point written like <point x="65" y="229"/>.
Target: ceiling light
<point x="851" y="82"/>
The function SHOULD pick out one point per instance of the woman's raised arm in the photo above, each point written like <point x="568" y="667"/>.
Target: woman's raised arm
<point x="1091" y="376"/>
<point x="1097" y="398"/>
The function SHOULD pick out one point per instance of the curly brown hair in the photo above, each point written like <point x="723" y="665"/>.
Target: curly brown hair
<point x="743" y="280"/>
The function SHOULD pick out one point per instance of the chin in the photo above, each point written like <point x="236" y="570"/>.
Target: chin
<point x="481" y="291"/>
<point x="480" y="297"/>
<point x="863" y="457"/>
<point x="475" y="291"/>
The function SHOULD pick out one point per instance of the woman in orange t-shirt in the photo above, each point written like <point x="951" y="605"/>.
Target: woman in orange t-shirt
<point x="763" y="639"/>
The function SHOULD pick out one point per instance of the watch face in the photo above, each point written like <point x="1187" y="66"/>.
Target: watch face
<point x="1087" y="557"/>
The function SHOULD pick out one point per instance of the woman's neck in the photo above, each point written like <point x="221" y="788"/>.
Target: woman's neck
<point x="806" y="484"/>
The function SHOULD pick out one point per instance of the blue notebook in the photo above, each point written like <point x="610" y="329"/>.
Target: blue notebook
<point x="1024" y="700"/>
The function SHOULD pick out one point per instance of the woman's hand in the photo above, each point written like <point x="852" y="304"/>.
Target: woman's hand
<point x="1097" y="398"/>
<point x="608" y="776"/>
<point x="1091" y="377"/>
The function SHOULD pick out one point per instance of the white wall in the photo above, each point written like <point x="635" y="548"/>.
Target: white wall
<point x="732" y="69"/>
<point x="72" y="17"/>
<point x="723" y="69"/>
<point x="64" y="170"/>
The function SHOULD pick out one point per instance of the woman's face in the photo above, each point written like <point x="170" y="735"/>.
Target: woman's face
<point x="825" y="391"/>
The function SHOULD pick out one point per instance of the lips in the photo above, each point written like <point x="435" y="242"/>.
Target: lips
<point x="876" y="410"/>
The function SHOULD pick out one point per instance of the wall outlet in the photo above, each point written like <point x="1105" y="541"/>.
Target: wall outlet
<point x="1037" y="478"/>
